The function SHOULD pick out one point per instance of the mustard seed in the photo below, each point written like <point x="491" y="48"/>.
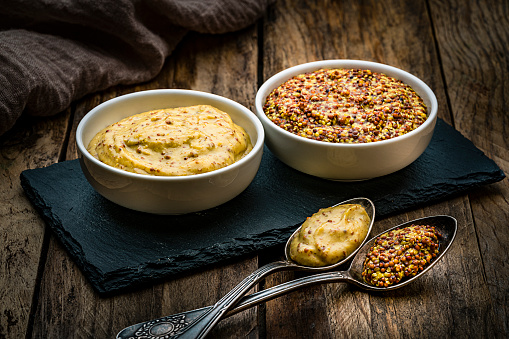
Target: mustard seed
<point x="345" y="106"/>
<point x="413" y="242"/>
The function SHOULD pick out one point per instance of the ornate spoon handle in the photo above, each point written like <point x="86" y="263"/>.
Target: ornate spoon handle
<point x="170" y="326"/>
<point x="201" y="326"/>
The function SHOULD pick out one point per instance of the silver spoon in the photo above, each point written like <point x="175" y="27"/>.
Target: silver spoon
<point x="199" y="324"/>
<point x="171" y="325"/>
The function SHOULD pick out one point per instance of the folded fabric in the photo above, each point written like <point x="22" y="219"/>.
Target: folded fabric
<point x="55" y="51"/>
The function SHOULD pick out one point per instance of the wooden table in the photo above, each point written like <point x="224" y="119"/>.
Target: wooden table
<point x="459" y="48"/>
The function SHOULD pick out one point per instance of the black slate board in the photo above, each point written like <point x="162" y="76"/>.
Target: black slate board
<point x="119" y="249"/>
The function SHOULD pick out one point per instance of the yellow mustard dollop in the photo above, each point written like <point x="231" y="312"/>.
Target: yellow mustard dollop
<point x="330" y="235"/>
<point x="172" y="142"/>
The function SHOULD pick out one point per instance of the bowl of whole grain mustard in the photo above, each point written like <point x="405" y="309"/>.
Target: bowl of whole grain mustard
<point x="346" y="119"/>
<point x="170" y="151"/>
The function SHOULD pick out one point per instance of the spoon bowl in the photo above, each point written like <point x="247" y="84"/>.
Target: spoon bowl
<point x="446" y="225"/>
<point x="370" y="210"/>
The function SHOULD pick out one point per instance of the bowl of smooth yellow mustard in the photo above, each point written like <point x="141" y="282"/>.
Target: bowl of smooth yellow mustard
<point x="170" y="151"/>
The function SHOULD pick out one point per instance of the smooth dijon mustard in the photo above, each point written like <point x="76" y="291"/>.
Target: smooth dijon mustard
<point x="172" y="142"/>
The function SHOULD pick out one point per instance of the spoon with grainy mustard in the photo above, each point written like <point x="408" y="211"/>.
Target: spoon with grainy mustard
<point x="441" y="231"/>
<point x="324" y="241"/>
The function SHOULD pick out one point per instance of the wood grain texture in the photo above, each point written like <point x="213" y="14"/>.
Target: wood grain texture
<point x="472" y="37"/>
<point x="459" y="48"/>
<point x="396" y="32"/>
<point x="32" y="143"/>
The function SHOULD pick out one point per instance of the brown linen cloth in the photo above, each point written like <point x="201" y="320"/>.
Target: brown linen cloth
<point x="55" y="51"/>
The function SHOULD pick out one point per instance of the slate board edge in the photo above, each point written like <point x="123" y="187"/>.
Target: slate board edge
<point x="72" y="247"/>
<point x="154" y="272"/>
<point x="110" y="284"/>
<point x="405" y="207"/>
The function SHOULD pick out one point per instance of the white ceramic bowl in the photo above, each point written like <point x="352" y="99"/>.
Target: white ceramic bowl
<point x="338" y="161"/>
<point x="168" y="194"/>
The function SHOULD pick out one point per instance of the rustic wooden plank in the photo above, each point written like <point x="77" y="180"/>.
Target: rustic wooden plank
<point x="464" y="295"/>
<point x="398" y="33"/>
<point x="431" y="307"/>
<point x="224" y="65"/>
<point x="31" y="143"/>
<point x="472" y="38"/>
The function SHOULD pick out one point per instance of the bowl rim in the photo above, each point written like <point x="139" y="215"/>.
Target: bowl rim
<point x="257" y="147"/>
<point x="286" y="74"/>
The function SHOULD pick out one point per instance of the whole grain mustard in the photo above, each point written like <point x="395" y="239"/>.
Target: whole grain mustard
<point x="345" y="106"/>
<point x="399" y="254"/>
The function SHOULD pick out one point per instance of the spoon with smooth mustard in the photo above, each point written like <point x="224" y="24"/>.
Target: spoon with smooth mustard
<point x="350" y="220"/>
<point x="445" y="226"/>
